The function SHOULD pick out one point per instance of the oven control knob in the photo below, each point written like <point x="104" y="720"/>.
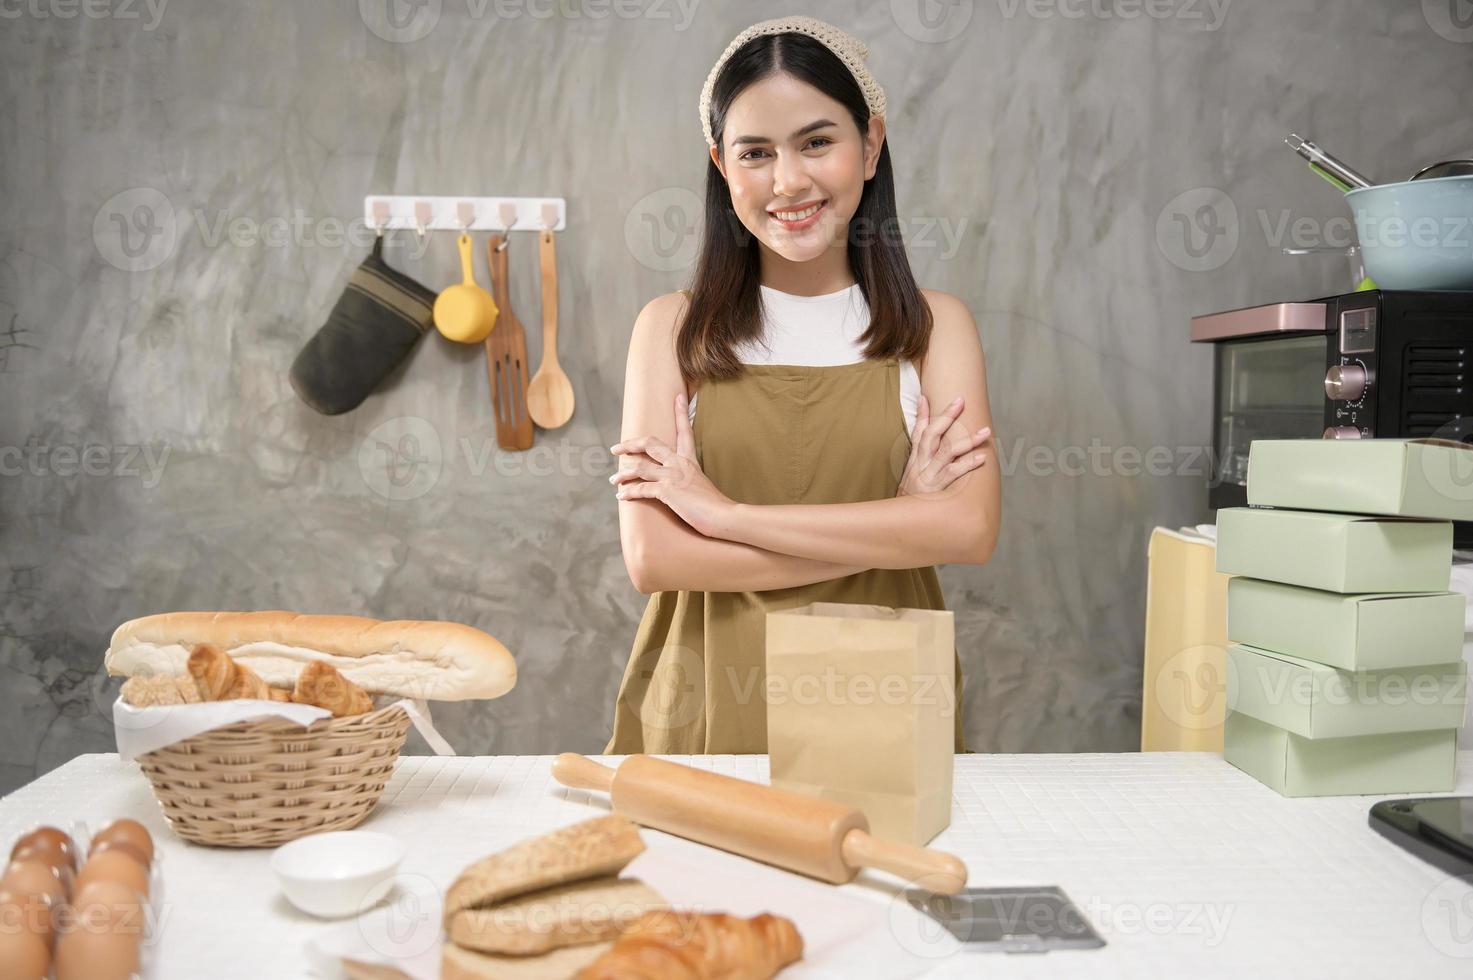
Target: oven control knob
<point x="1342" y="432"/>
<point x="1345" y="382"/>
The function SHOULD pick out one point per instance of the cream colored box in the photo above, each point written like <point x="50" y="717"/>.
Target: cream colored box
<point x="1184" y="678"/>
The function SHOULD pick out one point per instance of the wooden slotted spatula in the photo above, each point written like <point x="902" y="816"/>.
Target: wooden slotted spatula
<point x="506" y="359"/>
<point x="550" y="395"/>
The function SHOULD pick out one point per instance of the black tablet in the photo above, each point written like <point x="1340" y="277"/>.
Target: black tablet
<point x="1437" y="829"/>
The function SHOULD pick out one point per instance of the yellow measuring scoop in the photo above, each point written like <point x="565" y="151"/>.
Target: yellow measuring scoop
<point x="465" y="312"/>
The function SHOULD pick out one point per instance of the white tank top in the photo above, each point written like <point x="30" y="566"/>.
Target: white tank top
<point x="818" y="331"/>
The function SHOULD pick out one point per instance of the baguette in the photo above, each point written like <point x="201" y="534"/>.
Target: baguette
<point x="688" y="945"/>
<point x="406" y="658"/>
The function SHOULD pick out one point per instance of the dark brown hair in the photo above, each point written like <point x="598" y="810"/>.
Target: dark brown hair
<point x="725" y="300"/>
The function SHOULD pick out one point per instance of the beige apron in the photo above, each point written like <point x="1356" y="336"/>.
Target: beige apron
<point x="778" y="434"/>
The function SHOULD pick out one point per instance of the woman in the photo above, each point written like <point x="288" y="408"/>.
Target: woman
<point x="767" y="458"/>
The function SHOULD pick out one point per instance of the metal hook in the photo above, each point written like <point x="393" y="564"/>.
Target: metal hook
<point x="505" y="241"/>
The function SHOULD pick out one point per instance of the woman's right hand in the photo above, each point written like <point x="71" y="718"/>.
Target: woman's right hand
<point x="939" y="456"/>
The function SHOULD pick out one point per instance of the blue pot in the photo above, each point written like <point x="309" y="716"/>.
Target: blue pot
<point x="1417" y="234"/>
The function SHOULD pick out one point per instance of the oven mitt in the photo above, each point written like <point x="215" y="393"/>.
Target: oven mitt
<point x="370" y="330"/>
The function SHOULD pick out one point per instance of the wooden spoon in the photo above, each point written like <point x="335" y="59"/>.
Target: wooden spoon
<point x="550" y="395"/>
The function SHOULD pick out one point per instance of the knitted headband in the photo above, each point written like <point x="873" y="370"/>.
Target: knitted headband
<point x="846" y="47"/>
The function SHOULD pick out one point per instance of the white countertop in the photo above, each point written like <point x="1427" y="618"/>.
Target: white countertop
<point x="1183" y="864"/>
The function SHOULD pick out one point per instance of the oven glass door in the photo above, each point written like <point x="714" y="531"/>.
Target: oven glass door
<point x="1267" y="388"/>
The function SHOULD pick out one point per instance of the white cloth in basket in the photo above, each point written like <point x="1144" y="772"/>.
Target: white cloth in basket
<point x="142" y="730"/>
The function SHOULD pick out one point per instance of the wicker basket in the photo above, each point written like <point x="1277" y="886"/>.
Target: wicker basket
<point x="264" y="782"/>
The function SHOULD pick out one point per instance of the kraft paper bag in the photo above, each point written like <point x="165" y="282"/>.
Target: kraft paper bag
<point x="860" y="703"/>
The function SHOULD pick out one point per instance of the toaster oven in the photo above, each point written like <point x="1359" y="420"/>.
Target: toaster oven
<point x="1365" y="365"/>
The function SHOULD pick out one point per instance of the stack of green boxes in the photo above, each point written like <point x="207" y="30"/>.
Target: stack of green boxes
<point x="1345" y="671"/>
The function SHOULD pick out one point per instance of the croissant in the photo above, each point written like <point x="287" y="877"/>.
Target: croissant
<point x="145" y="691"/>
<point x="219" y="678"/>
<point x="676" y="944"/>
<point x="321" y="684"/>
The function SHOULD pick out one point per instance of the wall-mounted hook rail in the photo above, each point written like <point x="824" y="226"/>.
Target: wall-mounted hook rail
<point x="430" y="213"/>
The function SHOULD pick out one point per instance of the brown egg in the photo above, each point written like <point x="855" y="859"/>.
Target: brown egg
<point x="47" y="840"/>
<point x="34" y="878"/>
<point x="130" y="832"/>
<point x="59" y="868"/>
<point x="105" y="904"/>
<point x="114" y="864"/>
<point x="36" y="889"/>
<point x="118" y="844"/>
<point x="23" y="953"/>
<point x="102" y="935"/>
<point x="47" y="853"/>
<point x="28" y="913"/>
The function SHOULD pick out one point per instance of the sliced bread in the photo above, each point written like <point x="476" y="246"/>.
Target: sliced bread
<point x="564" y="915"/>
<point x="592" y="848"/>
<point x="459" y="963"/>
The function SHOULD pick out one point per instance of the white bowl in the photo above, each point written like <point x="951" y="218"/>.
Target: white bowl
<point x="338" y="873"/>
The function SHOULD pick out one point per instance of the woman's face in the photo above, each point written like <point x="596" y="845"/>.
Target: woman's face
<point x="779" y="164"/>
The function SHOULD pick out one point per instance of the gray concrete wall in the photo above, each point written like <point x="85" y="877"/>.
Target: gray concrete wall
<point x="1083" y="178"/>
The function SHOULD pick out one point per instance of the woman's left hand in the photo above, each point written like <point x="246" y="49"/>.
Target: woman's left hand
<point x="673" y="477"/>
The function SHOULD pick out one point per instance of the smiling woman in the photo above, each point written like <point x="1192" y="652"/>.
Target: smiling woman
<point x="802" y="478"/>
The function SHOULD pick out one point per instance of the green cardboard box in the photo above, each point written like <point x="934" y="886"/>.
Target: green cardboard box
<point x="1364" y="631"/>
<point x="1336" y="552"/>
<point x="1361" y="765"/>
<point x="1317" y="701"/>
<point x="1398" y="477"/>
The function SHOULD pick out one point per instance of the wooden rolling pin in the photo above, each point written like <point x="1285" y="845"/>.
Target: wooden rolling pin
<point x="819" y="838"/>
